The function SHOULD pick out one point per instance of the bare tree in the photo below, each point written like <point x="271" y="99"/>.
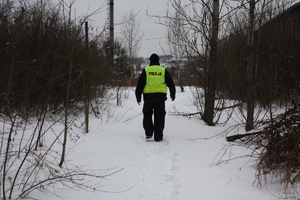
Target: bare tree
<point x="199" y="37"/>
<point x="176" y="47"/>
<point x="131" y="34"/>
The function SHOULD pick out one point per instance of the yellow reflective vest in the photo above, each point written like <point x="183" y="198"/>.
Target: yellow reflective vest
<point x="155" y="79"/>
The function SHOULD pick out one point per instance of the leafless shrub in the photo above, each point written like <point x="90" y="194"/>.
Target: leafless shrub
<point x="275" y="148"/>
<point x="28" y="165"/>
<point x="46" y="72"/>
<point x="280" y="150"/>
<point x="42" y="51"/>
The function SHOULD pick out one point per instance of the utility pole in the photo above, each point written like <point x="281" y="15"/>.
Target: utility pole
<point x="111" y="24"/>
<point x="110" y="42"/>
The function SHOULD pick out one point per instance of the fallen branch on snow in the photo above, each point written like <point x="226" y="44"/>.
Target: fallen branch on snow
<point x="239" y="136"/>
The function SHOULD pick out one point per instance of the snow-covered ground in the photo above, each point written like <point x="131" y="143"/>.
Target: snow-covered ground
<point x="187" y="165"/>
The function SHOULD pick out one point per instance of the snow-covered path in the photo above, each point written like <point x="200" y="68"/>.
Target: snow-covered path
<point x="179" y="168"/>
<point x="157" y="172"/>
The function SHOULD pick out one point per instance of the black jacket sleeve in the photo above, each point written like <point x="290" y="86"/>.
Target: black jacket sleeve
<point x="140" y="86"/>
<point x="170" y="84"/>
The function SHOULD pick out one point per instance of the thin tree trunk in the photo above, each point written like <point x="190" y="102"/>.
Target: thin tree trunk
<point x="66" y="116"/>
<point x="87" y="91"/>
<point x="250" y="70"/>
<point x="5" y="162"/>
<point x="8" y="112"/>
<point x="208" y="115"/>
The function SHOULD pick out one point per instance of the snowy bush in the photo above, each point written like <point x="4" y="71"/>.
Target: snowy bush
<point x="280" y="149"/>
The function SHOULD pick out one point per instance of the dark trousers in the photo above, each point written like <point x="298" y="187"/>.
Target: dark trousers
<point x="156" y="106"/>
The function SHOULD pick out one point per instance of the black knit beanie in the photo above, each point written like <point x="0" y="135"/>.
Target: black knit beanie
<point x="154" y="59"/>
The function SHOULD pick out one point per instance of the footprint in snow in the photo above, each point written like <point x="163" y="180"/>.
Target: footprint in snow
<point x="157" y="171"/>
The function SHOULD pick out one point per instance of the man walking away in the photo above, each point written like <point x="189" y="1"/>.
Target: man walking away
<point x="153" y="83"/>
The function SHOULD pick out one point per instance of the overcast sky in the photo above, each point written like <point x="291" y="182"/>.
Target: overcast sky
<point x="154" y="33"/>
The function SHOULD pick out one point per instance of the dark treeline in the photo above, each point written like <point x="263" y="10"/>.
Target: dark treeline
<point x="44" y="57"/>
<point x="276" y="60"/>
<point x="49" y="69"/>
